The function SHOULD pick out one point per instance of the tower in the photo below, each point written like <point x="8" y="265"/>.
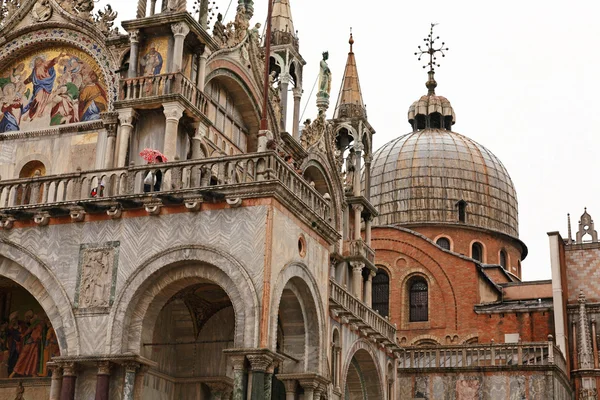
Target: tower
<point x="286" y="61"/>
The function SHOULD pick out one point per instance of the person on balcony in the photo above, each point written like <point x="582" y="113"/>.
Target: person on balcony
<point x="153" y="179"/>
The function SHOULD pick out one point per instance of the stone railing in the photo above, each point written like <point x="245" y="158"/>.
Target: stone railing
<point x="157" y="87"/>
<point x="358" y="249"/>
<point x="364" y="317"/>
<point x="240" y="176"/>
<point x="482" y="355"/>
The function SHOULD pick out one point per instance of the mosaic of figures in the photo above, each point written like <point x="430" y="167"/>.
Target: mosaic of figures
<point x="152" y="61"/>
<point x="27" y="339"/>
<point x="51" y="87"/>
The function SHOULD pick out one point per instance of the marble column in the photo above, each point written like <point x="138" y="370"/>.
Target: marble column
<point x="357" y="268"/>
<point x="369" y="289"/>
<point x="202" y="70"/>
<point x="68" y="382"/>
<point x="284" y="85"/>
<point x="269" y="380"/>
<point x="319" y="391"/>
<point x="134" y="41"/>
<point x="239" y="377"/>
<point x="152" y="7"/>
<point x="259" y="364"/>
<point x="180" y="31"/>
<point x="309" y="386"/>
<point x="138" y="390"/>
<point x="127" y="117"/>
<point x="110" y="121"/>
<point x="173" y="113"/>
<point x="358" y="208"/>
<point x="291" y="387"/>
<point x="367" y="175"/>
<point x="297" y="92"/>
<point x="56" y="383"/>
<point x="129" y="383"/>
<point x="103" y="380"/>
<point x="368" y="224"/>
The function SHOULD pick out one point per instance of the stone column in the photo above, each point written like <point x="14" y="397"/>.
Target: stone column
<point x="296" y="121"/>
<point x="152" y="7"/>
<point x="284" y="84"/>
<point x="202" y="70"/>
<point x="180" y="31"/>
<point x="173" y="113"/>
<point x="358" y="208"/>
<point x="595" y="343"/>
<point x="290" y="389"/>
<point x="369" y="289"/>
<point x="129" y="384"/>
<point x="141" y="10"/>
<point x="127" y="117"/>
<point x="269" y="380"/>
<point x="56" y="383"/>
<point x="133" y="53"/>
<point x="368" y="160"/>
<point x="358" y="148"/>
<point x="357" y="268"/>
<point x="103" y="380"/>
<point x="239" y="378"/>
<point x="368" y="224"/>
<point x="259" y="364"/>
<point x="110" y="121"/>
<point x="310" y="386"/>
<point x="138" y="390"/>
<point x="319" y="391"/>
<point x="68" y="382"/>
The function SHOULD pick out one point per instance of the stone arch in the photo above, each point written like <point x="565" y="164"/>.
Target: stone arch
<point x="426" y="340"/>
<point x="24" y="268"/>
<point x="155" y="281"/>
<point x="33" y="157"/>
<point x="295" y="279"/>
<point x="362" y="357"/>
<point x="315" y="161"/>
<point x="94" y="48"/>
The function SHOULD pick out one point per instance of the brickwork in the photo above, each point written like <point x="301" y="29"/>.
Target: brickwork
<point x="583" y="271"/>
<point x="453" y="292"/>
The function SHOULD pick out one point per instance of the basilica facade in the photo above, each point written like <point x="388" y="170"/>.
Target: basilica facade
<point x="167" y="232"/>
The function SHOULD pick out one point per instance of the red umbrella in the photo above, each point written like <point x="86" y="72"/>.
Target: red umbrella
<point x="150" y="155"/>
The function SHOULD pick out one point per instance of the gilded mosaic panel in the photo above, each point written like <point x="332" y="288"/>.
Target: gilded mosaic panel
<point x="152" y="57"/>
<point x="50" y="87"/>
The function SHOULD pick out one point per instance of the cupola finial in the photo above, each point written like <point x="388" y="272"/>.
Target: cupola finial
<point x="351" y="41"/>
<point x="431" y="51"/>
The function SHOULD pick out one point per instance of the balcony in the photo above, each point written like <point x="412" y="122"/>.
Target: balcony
<point x="506" y="355"/>
<point x="190" y="182"/>
<point x="153" y="91"/>
<point x="365" y="318"/>
<point x="358" y="250"/>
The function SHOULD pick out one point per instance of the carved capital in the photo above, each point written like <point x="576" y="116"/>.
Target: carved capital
<point x="134" y="36"/>
<point x="127" y="116"/>
<point x="309" y="384"/>
<point x="297" y="92"/>
<point x="104" y="367"/>
<point x="291" y="385"/>
<point x="57" y="371"/>
<point x="69" y="369"/>
<point x="259" y="362"/>
<point x="237" y="362"/>
<point x="357" y="266"/>
<point x="173" y="111"/>
<point x="131" y="367"/>
<point x="180" y="29"/>
<point x="358" y="207"/>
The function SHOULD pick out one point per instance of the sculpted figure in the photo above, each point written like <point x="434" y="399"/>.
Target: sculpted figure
<point x="325" y="76"/>
<point x="350" y="170"/>
<point x="219" y="30"/>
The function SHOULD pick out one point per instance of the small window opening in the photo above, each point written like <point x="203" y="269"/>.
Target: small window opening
<point x="503" y="259"/>
<point x="418" y="300"/>
<point x="444" y="243"/>
<point x="477" y="252"/>
<point x="462" y="211"/>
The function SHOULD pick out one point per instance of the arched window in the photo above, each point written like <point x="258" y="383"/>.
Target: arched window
<point x="503" y="259"/>
<point x="462" y="211"/>
<point x="477" y="252"/>
<point x="418" y="300"/>
<point x="443" y="242"/>
<point x="381" y="293"/>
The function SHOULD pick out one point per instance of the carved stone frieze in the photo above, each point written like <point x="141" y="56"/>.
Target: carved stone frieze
<point x="97" y="275"/>
<point x="41" y="11"/>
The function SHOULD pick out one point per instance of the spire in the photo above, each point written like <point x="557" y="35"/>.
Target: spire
<point x="282" y="17"/>
<point x="570" y="236"/>
<point x="350" y="102"/>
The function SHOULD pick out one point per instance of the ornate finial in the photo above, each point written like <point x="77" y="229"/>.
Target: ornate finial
<point x="351" y="41"/>
<point x="570" y="236"/>
<point x="431" y="51"/>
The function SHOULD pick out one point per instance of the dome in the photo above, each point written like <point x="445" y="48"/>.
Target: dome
<point x="427" y="176"/>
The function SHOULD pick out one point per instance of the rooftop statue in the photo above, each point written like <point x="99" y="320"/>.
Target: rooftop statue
<point x="324" y="77"/>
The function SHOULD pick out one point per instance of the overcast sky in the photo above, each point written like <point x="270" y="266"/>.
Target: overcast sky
<point x="522" y="77"/>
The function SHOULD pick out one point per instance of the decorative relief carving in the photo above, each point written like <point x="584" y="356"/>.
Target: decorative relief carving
<point x="97" y="275"/>
<point x="42" y="11"/>
<point x="105" y="20"/>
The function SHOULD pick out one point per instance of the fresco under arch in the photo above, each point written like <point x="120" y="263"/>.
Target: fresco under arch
<point x="51" y="87"/>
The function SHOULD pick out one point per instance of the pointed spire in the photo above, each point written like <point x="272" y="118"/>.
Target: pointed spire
<point x="570" y="235"/>
<point x="282" y="17"/>
<point x="350" y="102"/>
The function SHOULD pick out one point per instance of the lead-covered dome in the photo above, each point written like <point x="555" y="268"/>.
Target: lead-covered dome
<point x="432" y="175"/>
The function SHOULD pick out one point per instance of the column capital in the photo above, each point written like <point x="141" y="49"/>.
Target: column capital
<point x="127" y="116"/>
<point x="173" y="111"/>
<point x="290" y="385"/>
<point x="358" y="207"/>
<point x="56" y="370"/>
<point x="134" y="36"/>
<point x="372" y="274"/>
<point x="69" y="368"/>
<point x="104" y="367"/>
<point x="237" y="362"/>
<point x="180" y="29"/>
<point x="309" y="383"/>
<point x="297" y="91"/>
<point x="259" y="362"/>
<point x="131" y="366"/>
<point x="357" y="266"/>
<point x="285" y="78"/>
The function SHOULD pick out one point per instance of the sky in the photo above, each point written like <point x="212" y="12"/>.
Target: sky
<point x="521" y="76"/>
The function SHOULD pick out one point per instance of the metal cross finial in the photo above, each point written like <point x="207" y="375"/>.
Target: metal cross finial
<point x="431" y="50"/>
